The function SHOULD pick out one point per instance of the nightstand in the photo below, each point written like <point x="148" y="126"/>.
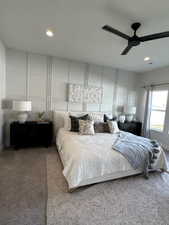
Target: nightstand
<point x="31" y="133"/>
<point x="132" y="127"/>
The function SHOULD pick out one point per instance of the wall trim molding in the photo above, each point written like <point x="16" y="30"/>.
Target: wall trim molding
<point x="48" y="83"/>
<point x="58" y="73"/>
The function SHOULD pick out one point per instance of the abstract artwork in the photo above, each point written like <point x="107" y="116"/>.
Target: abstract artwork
<point x="75" y="93"/>
<point x="92" y="95"/>
<point x="80" y="94"/>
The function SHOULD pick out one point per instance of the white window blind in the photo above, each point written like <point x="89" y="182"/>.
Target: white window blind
<point x="158" y="109"/>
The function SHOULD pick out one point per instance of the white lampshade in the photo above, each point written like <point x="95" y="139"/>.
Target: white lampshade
<point x="130" y="110"/>
<point x="22" y="106"/>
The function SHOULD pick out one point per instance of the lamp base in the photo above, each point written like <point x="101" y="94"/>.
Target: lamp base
<point x="122" y="118"/>
<point x="22" y="117"/>
<point x="129" y="117"/>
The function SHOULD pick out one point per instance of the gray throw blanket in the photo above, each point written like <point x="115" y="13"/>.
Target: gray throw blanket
<point x="139" y="151"/>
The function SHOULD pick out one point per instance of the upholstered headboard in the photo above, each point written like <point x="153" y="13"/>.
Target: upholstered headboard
<point x="58" y="117"/>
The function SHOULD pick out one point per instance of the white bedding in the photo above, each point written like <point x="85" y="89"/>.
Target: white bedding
<point x="90" y="158"/>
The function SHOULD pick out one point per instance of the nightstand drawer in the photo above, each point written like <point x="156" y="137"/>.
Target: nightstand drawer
<point x="31" y="134"/>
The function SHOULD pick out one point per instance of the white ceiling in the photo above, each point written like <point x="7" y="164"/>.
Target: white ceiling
<point x="78" y="34"/>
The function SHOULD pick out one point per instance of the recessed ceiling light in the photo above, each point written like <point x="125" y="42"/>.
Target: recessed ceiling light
<point x="146" y="58"/>
<point x="49" y="33"/>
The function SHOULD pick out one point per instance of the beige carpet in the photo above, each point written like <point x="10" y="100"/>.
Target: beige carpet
<point x="129" y="201"/>
<point x="23" y="187"/>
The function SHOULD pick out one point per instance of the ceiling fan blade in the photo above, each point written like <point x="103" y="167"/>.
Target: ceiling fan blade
<point x="114" y="31"/>
<point x="126" y="50"/>
<point x="154" y="36"/>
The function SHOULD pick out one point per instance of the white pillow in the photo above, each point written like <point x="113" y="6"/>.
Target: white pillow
<point x="86" y="127"/>
<point x="113" y="127"/>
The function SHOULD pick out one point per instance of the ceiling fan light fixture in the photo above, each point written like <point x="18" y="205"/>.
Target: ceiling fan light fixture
<point x="135" y="40"/>
<point x="49" y="33"/>
<point x="146" y="58"/>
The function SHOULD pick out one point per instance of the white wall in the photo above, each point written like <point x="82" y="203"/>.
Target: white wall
<point x="154" y="77"/>
<point x="44" y="79"/>
<point x="2" y="88"/>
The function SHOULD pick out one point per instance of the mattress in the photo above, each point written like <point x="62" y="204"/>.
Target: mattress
<point x="90" y="159"/>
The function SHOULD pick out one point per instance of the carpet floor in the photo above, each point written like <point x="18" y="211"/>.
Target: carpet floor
<point x="128" y="201"/>
<point x="33" y="191"/>
<point x="23" y="187"/>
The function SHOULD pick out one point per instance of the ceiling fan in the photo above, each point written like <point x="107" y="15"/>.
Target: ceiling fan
<point x="135" y="40"/>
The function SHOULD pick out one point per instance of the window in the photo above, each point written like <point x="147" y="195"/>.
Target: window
<point x="158" y="109"/>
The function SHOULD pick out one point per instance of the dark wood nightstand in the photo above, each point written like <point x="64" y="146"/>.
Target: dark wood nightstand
<point x="31" y="133"/>
<point x="132" y="127"/>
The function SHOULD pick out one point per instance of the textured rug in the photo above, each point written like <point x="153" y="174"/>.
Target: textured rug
<point x="128" y="201"/>
<point x="23" y="190"/>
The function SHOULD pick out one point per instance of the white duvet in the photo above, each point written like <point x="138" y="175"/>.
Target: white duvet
<point x="88" y="158"/>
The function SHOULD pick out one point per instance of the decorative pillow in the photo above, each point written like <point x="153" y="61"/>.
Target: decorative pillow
<point x="86" y="127"/>
<point x="101" y="127"/>
<point x="75" y="122"/>
<point x="96" y="117"/>
<point x="113" y="127"/>
<point x="106" y="118"/>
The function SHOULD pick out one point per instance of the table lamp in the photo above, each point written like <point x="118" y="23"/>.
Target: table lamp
<point x="22" y="107"/>
<point x="130" y="112"/>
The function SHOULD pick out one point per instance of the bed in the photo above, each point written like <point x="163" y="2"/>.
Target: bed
<point x="91" y="159"/>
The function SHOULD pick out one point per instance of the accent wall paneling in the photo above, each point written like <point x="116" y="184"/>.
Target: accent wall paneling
<point x="76" y="75"/>
<point x="126" y="92"/>
<point x="60" y="71"/>
<point x="16" y="79"/>
<point x="94" y="78"/>
<point x="37" y="81"/>
<point x="109" y="84"/>
<point x="44" y="81"/>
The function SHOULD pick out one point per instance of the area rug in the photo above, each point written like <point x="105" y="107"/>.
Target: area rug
<point x="127" y="201"/>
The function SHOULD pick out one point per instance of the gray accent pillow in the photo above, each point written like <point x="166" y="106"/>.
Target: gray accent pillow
<point x="86" y="127"/>
<point x="101" y="127"/>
